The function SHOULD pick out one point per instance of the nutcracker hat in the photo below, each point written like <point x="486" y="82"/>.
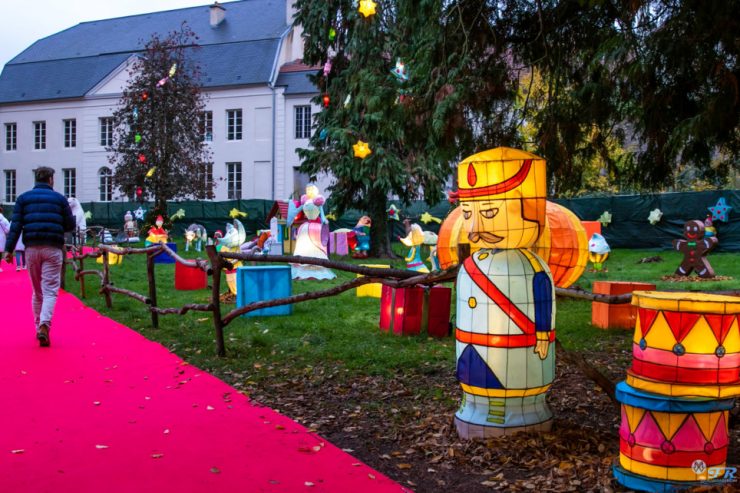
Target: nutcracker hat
<point x="504" y="174"/>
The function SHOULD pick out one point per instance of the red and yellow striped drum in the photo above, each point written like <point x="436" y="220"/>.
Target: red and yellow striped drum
<point x="665" y="443"/>
<point x="686" y="345"/>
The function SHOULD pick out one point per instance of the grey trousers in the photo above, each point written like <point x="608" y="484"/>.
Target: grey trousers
<point x="45" y="268"/>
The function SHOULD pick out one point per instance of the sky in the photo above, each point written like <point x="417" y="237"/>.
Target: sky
<point x="22" y="22"/>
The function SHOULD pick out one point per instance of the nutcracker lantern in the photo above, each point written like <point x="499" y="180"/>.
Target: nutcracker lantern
<point x="505" y="297"/>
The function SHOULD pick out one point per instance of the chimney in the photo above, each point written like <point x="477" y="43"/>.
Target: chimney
<point x="218" y="13"/>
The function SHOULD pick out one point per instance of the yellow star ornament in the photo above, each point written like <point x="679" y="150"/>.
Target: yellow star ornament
<point x="362" y="149"/>
<point x="426" y="218"/>
<point x="367" y="8"/>
<point x="234" y="213"/>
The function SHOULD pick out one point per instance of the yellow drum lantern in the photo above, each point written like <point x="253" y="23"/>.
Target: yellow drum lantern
<point x="686" y="345"/>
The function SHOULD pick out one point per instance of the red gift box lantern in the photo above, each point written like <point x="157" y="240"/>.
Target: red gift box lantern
<point x="406" y="311"/>
<point x="189" y="278"/>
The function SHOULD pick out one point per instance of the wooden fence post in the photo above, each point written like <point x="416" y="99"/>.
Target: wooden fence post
<point x="218" y="324"/>
<point x="82" y="278"/>
<point x="152" y="288"/>
<point x="106" y="280"/>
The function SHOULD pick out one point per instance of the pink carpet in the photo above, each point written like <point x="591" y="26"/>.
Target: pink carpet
<point x="106" y="410"/>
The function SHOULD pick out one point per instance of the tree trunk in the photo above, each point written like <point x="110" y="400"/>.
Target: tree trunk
<point x="379" y="237"/>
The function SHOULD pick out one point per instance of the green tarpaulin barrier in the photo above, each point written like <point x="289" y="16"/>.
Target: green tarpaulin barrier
<point x="629" y="227"/>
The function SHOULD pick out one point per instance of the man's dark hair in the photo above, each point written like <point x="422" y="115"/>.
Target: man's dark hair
<point x="44" y="174"/>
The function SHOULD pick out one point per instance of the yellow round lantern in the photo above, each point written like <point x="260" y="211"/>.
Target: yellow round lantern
<point x="563" y="245"/>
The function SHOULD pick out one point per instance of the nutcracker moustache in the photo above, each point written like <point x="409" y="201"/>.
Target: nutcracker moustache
<point x="505" y="297"/>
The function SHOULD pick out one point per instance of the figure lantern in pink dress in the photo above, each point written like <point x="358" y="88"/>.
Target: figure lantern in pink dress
<point x="312" y="234"/>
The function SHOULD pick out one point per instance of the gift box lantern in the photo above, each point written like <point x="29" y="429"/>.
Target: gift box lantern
<point x="189" y="277"/>
<point x="406" y="311"/>
<point x="374" y="289"/>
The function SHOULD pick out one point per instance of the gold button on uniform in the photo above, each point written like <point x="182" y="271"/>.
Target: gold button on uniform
<point x="472" y="302"/>
<point x="483" y="256"/>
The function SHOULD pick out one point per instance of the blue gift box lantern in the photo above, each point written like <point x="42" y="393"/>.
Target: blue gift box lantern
<point x="163" y="258"/>
<point x="262" y="283"/>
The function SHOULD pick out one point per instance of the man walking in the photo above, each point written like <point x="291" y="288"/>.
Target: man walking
<point x="43" y="216"/>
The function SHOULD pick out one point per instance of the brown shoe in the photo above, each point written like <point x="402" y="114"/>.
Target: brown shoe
<point x="43" y="335"/>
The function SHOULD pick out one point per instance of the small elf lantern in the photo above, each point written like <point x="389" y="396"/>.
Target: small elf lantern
<point x="332" y="34"/>
<point x="326" y="100"/>
<point x="144" y="96"/>
<point x="142" y="159"/>
<point x="139" y="193"/>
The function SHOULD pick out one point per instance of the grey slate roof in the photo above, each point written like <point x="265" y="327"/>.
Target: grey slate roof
<point x="241" y="50"/>
<point x="297" y="82"/>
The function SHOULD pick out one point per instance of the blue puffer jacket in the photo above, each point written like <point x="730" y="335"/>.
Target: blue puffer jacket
<point x="43" y="216"/>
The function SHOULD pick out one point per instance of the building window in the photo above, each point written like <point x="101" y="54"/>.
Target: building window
<point x="11" y="137"/>
<point x="105" y="177"/>
<point x="70" y="182"/>
<point x="205" y="178"/>
<point x="206" y="126"/>
<point x="302" y="122"/>
<point x="106" y="132"/>
<point x="70" y="133"/>
<point x="39" y="135"/>
<point x="234" y="180"/>
<point x="234" y="124"/>
<point x="10" y="194"/>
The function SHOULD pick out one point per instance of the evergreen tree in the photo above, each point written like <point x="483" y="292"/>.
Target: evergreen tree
<point x="158" y="149"/>
<point x="452" y="104"/>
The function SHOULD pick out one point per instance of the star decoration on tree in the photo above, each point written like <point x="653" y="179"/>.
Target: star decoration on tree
<point x="234" y="213"/>
<point x="362" y="149"/>
<point x="605" y="219"/>
<point x="139" y="213"/>
<point x="367" y="8"/>
<point x="426" y="218"/>
<point x="655" y="215"/>
<point x="720" y="211"/>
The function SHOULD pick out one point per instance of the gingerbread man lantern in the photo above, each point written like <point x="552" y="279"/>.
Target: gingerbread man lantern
<point x="695" y="248"/>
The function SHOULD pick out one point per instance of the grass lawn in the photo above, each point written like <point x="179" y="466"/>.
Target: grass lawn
<point x="344" y="328"/>
<point x="390" y="399"/>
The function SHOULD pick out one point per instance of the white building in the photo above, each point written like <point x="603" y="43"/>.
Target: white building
<point x="57" y="96"/>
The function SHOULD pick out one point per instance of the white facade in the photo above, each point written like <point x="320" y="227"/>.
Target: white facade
<point x="266" y="151"/>
<point x="256" y="151"/>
